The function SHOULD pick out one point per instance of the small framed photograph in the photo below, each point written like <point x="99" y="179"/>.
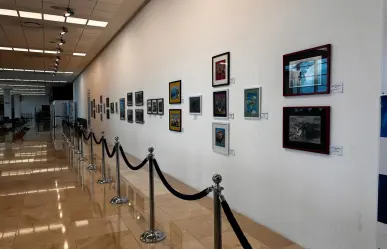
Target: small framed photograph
<point x="139" y="98"/>
<point x="220" y="104"/>
<point x="175" y="92"/>
<point x="129" y="99"/>
<point x="107" y="102"/>
<point x="130" y="115"/>
<point x="112" y="108"/>
<point x="154" y="106"/>
<point x="94" y="103"/>
<point x="139" y="116"/>
<point x="175" y="120"/>
<point x="221" y="138"/>
<point x="94" y="113"/>
<point x="101" y="117"/>
<point x="100" y="99"/>
<point x="195" y="105"/>
<point x="307" y="72"/>
<point x="116" y="108"/>
<point x="149" y="106"/>
<point x="122" y="109"/>
<point x="104" y="108"/>
<point x="221" y="70"/>
<point x="252" y="103"/>
<point x="160" y="105"/>
<point x="307" y="128"/>
<point x="107" y="114"/>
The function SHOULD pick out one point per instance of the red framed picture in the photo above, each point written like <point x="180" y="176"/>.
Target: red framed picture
<point x="307" y="72"/>
<point x="307" y="128"/>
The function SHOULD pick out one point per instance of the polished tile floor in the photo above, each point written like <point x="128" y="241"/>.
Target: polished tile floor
<point x="47" y="202"/>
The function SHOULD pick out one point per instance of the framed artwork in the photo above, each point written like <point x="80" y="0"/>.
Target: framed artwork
<point x="175" y="92"/>
<point x="104" y="108"/>
<point x="130" y="115"/>
<point x="307" y="128"/>
<point x="154" y="106"/>
<point x="116" y="107"/>
<point x="139" y="98"/>
<point x="107" y="114"/>
<point x="107" y="102"/>
<point x="122" y="109"/>
<point x="94" y="103"/>
<point x="220" y="104"/>
<point x="175" y="120"/>
<point x="307" y="72"/>
<point x="149" y="106"/>
<point x="129" y="99"/>
<point x="112" y="108"/>
<point x="160" y="106"/>
<point x="221" y="138"/>
<point x="101" y="117"/>
<point x="100" y="99"/>
<point x="221" y="70"/>
<point x="139" y="116"/>
<point x="253" y="103"/>
<point x="94" y="113"/>
<point x="195" y="105"/>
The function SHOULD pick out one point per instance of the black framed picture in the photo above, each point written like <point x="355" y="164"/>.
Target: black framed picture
<point x="94" y="113"/>
<point x="175" y="120"/>
<point x="160" y="106"/>
<point x="101" y="117"/>
<point x="175" y="92"/>
<point x="112" y="108"/>
<point x="100" y="99"/>
<point x="129" y="99"/>
<point x="104" y="108"/>
<point x="149" y="106"/>
<point x="221" y="70"/>
<point x="94" y="103"/>
<point x="307" y="128"/>
<point x="220" y="104"/>
<point x="139" y="116"/>
<point x="154" y="106"/>
<point x="129" y="115"/>
<point x="307" y="72"/>
<point x="107" y="103"/>
<point x="107" y="114"/>
<point x="139" y="98"/>
<point x="195" y="105"/>
<point x="116" y="108"/>
<point x="122" y="109"/>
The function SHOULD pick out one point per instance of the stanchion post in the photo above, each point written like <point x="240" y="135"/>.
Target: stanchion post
<point x="103" y="179"/>
<point x="152" y="235"/>
<point x="77" y="134"/>
<point x="217" y="179"/>
<point x="81" y="158"/>
<point x="91" y="166"/>
<point x="118" y="199"/>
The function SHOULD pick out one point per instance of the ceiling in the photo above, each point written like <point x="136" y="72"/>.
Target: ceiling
<point x="43" y="35"/>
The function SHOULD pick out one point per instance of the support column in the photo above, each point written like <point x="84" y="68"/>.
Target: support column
<point x="17" y="105"/>
<point x="7" y="103"/>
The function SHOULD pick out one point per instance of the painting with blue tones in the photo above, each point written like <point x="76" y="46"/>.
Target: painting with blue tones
<point x="220" y="137"/>
<point x="252" y="103"/>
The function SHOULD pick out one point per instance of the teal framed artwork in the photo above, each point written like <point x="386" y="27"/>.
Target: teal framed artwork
<point x="252" y="103"/>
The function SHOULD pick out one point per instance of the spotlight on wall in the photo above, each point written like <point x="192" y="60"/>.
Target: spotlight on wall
<point x="64" y="31"/>
<point x="69" y="12"/>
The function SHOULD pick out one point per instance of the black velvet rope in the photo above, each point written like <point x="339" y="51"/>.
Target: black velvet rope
<point x="107" y="149"/>
<point x="235" y="226"/>
<point x="95" y="140"/>
<point x="193" y="197"/>
<point x="130" y="166"/>
<point x="84" y="136"/>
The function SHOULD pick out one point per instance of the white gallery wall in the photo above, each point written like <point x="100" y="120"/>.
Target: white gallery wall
<point x="315" y="200"/>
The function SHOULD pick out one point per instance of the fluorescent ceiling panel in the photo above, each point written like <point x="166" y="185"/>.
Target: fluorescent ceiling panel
<point x="49" y="71"/>
<point x="36" y="51"/>
<point x="39" y="71"/>
<point x="79" y="54"/>
<point x="20" y="49"/>
<point x="68" y="72"/>
<point x="19" y="70"/>
<point x="5" y="48"/>
<point x="97" y="23"/>
<point x="50" y="52"/>
<point x="53" y="18"/>
<point x="76" y="20"/>
<point x="29" y="70"/>
<point x="7" y="69"/>
<point x="6" y="12"/>
<point x="31" y="15"/>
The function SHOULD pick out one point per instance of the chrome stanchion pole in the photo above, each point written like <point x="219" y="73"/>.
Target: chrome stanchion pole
<point x="152" y="235"/>
<point x="118" y="199"/>
<point x="104" y="179"/>
<point x="81" y="157"/>
<point x="92" y="162"/>
<point x="217" y="179"/>
<point x="77" y="134"/>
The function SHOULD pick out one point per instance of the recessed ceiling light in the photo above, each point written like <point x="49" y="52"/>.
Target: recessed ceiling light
<point x="7" y="69"/>
<point x="79" y="54"/>
<point x="6" y="12"/>
<point x="53" y="18"/>
<point x="5" y="48"/>
<point x="50" y="52"/>
<point x="19" y="70"/>
<point x="97" y="23"/>
<point x="76" y="20"/>
<point x="68" y="72"/>
<point x="36" y="50"/>
<point x="32" y="15"/>
<point x="20" y="49"/>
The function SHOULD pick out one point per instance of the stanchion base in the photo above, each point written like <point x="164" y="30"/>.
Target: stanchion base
<point x="104" y="180"/>
<point x="119" y="200"/>
<point x="152" y="236"/>
<point x="92" y="167"/>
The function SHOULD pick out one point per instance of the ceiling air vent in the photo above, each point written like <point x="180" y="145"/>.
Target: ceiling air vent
<point x="32" y="24"/>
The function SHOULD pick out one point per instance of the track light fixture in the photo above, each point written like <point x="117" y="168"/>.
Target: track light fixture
<point x="57" y="59"/>
<point x="64" y="31"/>
<point x="61" y="42"/>
<point x="69" y="12"/>
<point x="59" y="50"/>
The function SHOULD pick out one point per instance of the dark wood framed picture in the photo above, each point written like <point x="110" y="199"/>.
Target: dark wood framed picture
<point x="107" y="103"/>
<point x="221" y="70"/>
<point x="175" y="92"/>
<point x="154" y="106"/>
<point x="160" y="106"/>
<point x="129" y="99"/>
<point x="94" y="113"/>
<point x="94" y="103"/>
<point x="149" y="106"/>
<point x="130" y="115"/>
<point x="107" y="114"/>
<point x="175" y="120"/>
<point x="139" y="98"/>
<point x="122" y="109"/>
<point x="220" y="104"/>
<point x="100" y="99"/>
<point x="112" y="108"/>
<point x="116" y="108"/>
<point x="104" y="108"/>
<point x="139" y="116"/>
<point x="307" y="72"/>
<point x="195" y="105"/>
<point x="101" y="117"/>
<point x="307" y="128"/>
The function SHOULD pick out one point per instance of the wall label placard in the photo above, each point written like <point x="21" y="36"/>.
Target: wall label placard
<point x="337" y="88"/>
<point x="336" y="150"/>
